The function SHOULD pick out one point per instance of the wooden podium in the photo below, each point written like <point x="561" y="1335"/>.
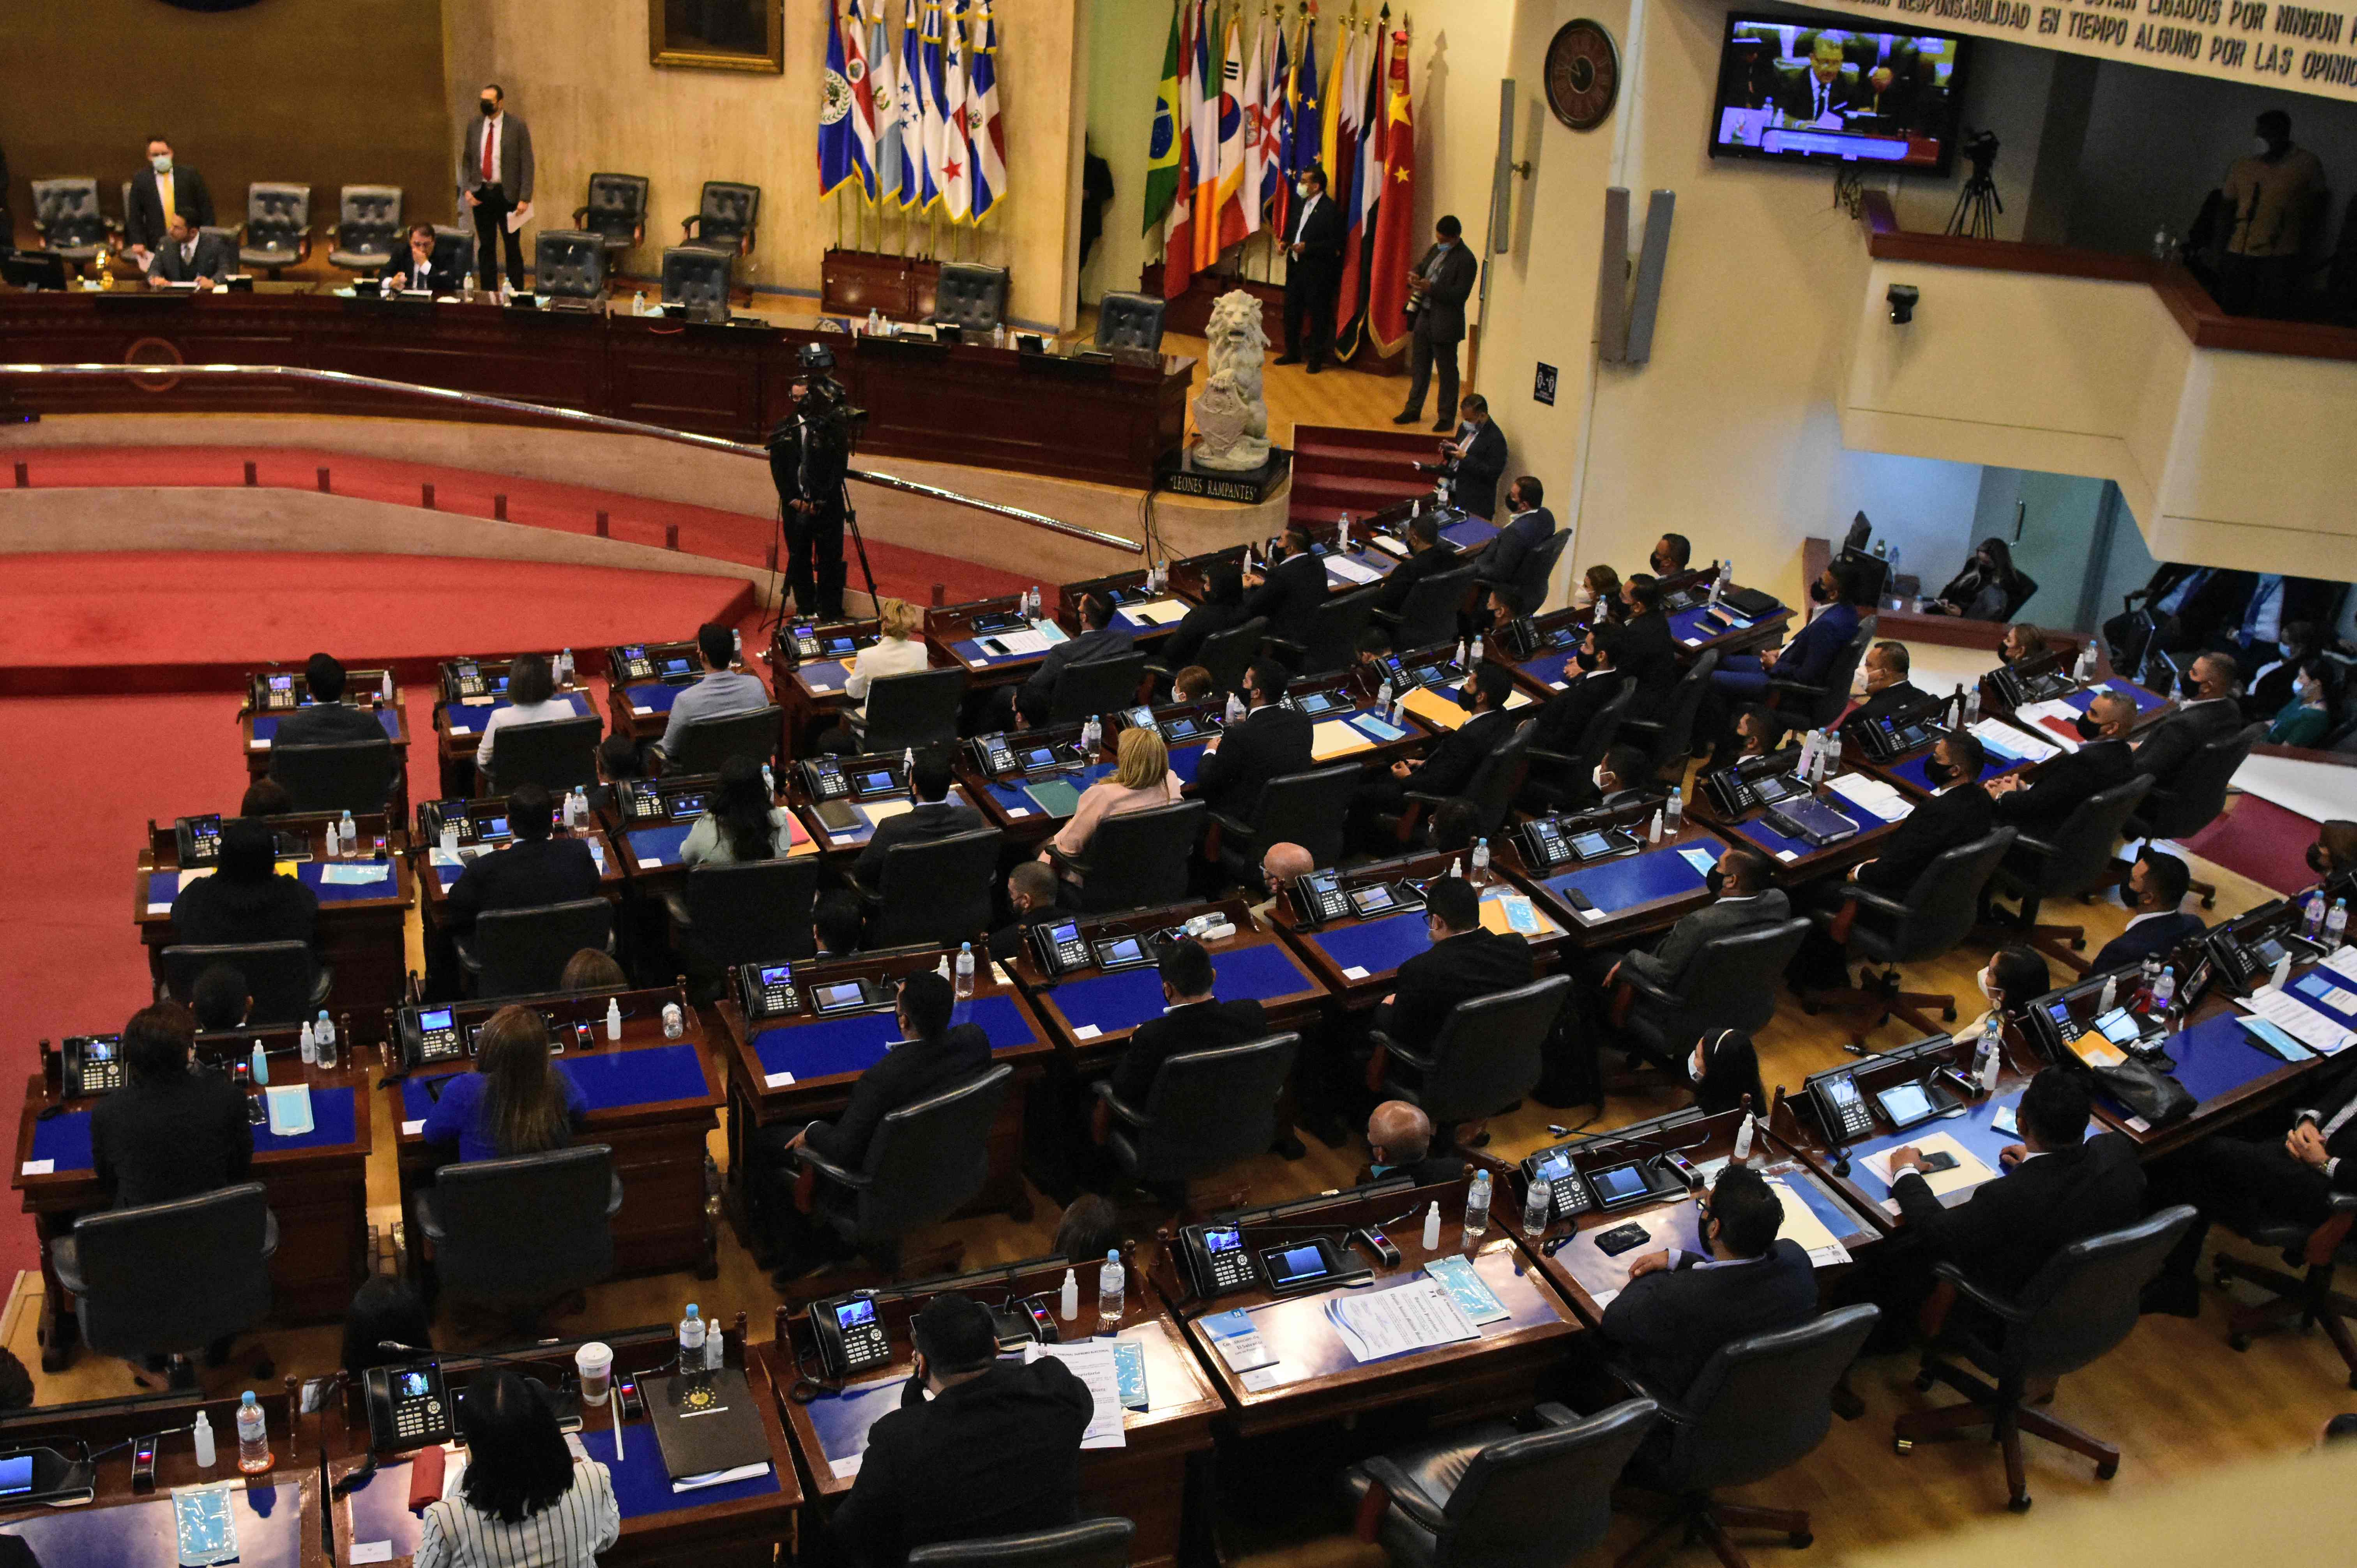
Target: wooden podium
<point x="853" y="283"/>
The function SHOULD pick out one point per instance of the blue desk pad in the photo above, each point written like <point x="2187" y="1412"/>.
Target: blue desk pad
<point x="1472" y="533"/>
<point x="1378" y="947"/>
<point x="659" y="846"/>
<point x="824" y="677"/>
<point x="1020" y="800"/>
<point x="1776" y="843"/>
<point x="825" y="1047"/>
<point x="1139" y="630"/>
<point x="654" y="697"/>
<point x="1548" y="669"/>
<point x="2145" y="701"/>
<point x="2214" y="1058"/>
<point x="464" y="720"/>
<point x="265" y="725"/>
<point x="2312" y="988"/>
<point x="142" y="1534"/>
<point x="1911" y="770"/>
<point x="163" y="887"/>
<point x="1693" y="628"/>
<point x="608" y="1080"/>
<point x="971" y="650"/>
<point x="1127" y="997"/>
<point x="65" y="1137"/>
<point x="1647" y="877"/>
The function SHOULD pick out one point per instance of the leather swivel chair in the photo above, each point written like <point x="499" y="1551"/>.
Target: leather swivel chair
<point x="1667" y="733"/>
<point x="1807" y="706"/>
<point x="368" y="228"/>
<point x="754" y="913"/>
<point x="928" y="1159"/>
<point x="555" y="754"/>
<point x="167" y="1279"/>
<point x="522" y="1232"/>
<point x="1937" y="912"/>
<point x="727" y="219"/>
<point x="569" y="264"/>
<point x="2309" y="1296"/>
<point x="1491" y="789"/>
<point x="616" y="212"/>
<point x="1490" y="1495"/>
<point x="903" y="712"/>
<point x="453" y="252"/>
<point x="1486" y="1054"/>
<point x="703" y="745"/>
<point x="2195" y="796"/>
<point x="2025" y="588"/>
<point x="519" y="952"/>
<point x="1130" y="321"/>
<point x="1332" y="642"/>
<point x="695" y="282"/>
<point x="68" y="219"/>
<point x="1096" y="686"/>
<point x="1139" y="859"/>
<point x="1307" y="809"/>
<point x="1207" y="1111"/>
<point x="277" y="231"/>
<point x="287" y="984"/>
<point x="969" y="297"/>
<point x="1760" y="1405"/>
<point x="2083" y="1302"/>
<point x="339" y="775"/>
<point x="1532" y="578"/>
<point x="935" y="891"/>
<point x="1428" y="614"/>
<point x="1091" y="1543"/>
<point x="2073" y="862"/>
<point x="1730" y="984"/>
<point x="1227" y="653"/>
<point x="1558" y="781"/>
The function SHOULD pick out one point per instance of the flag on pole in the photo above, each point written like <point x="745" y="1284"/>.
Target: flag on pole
<point x="984" y="130"/>
<point x="884" y="94"/>
<point x="1275" y="124"/>
<point x="1366" y="190"/>
<point x="1235" y="145"/>
<point x="1179" y="239"/>
<point x="929" y="99"/>
<point x="858" y="73"/>
<point x="915" y="177"/>
<point x="1395" y="246"/>
<point x="957" y="151"/>
<point x="1336" y="156"/>
<point x="1306" y="96"/>
<point x="837" y="164"/>
<point x="1206" y="141"/>
<point x="1162" y="141"/>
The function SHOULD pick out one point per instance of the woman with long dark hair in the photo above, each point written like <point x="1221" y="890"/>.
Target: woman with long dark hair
<point x="518" y="1100"/>
<point x="524" y="1502"/>
<point x="245" y="900"/>
<point x="740" y="823"/>
<point x="1985" y="589"/>
<point x="1724" y="1068"/>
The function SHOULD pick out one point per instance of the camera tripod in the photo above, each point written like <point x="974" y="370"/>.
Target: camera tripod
<point x="1977" y="207"/>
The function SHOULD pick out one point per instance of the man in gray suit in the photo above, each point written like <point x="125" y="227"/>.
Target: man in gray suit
<point x="1744" y="900"/>
<point x="187" y="256"/>
<point x="494" y="179"/>
<point x="2208" y="712"/>
<point x="1437" y="291"/>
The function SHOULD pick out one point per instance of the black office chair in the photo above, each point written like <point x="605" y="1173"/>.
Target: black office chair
<point x="1667" y="732"/>
<point x="2078" y="1306"/>
<point x="1490" y="1495"/>
<point x="1130" y="321"/>
<point x="902" y="712"/>
<point x="1308" y="809"/>
<point x="520" y="1233"/>
<point x="727" y="219"/>
<point x="67" y="218"/>
<point x="1207" y="1111"/>
<point x="1533" y="578"/>
<point x="517" y="952"/>
<point x="1760" y="1405"/>
<point x="367" y="229"/>
<point x="1730" y="984"/>
<point x="1808" y="707"/>
<point x="2320" y="1250"/>
<point x="969" y="297"/>
<point x="937" y="891"/>
<point x="1226" y="653"/>
<point x="341" y="776"/>
<point x="288" y="982"/>
<point x="1096" y="686"/>
<point x="1429" y="612"/>
<point x="167" y="1279"/>
<point x="453" y="252"/>
<point x="1937" y="912"/>
<point x="703" y="745"/>
<point x="277" y="231"/>
<point x="1139" y="859"/>
<point x="1558" y="781"/>
<point x="1485" y="1057"/>
<point x="2023" y="589"/>
<point x="746" y="914"/>
<point x="928" y="1160"/>
<point x="569" y="263"/>
<point x="695" y="282"/>
<point x="2195" y="795"/>
<point x="555" y="754"/>
<point x="1332" y="642"/>
<point x="1491" y="789"/>
<point x="2072" y="864"/>
<point x="1091" y="1543"/>
<point x="616" y="212"/>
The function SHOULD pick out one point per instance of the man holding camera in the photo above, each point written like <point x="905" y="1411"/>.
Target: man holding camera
<point x="808" y="455"/>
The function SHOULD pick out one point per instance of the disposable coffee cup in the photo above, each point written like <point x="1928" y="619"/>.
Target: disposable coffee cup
<point x="595" y="1362"/>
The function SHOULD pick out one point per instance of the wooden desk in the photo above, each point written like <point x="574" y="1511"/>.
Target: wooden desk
<point x="363" y="689"/>
<point x="2042" y="719"/>
<point x="1144" y="1480"/>
<point x="362" y="934"/>
<point x="1793" y="862"/>
<point x="649" y="846"/>
<point x="1631" y="896"/>
<point x="808" y="685"/>
<point x="1316" y="1380"/>
<point x="1342" y="705"/>
<point x="950" y="632"/>
<point x="651" y="1100"/>
<point x="1556" y="636"/>
<point x="1376" y="545"/>
<point x="737" y="1524"/>
<point x="1146" y="616"/>
<point x="1696" y="629"/>
<point x="799" y="1067"/>
<point x="435" y="878"/>
<point x="868" y="803"/>
<point x="1030" y="805"/>
<point x="1355" y="957"/>
<point x="458" y="725"/>
<point x="1905" y="770"/>
<point x="317" y="1182"/>
<point x="638" y="693"/>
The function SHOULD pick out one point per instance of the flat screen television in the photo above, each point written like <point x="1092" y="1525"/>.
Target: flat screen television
<point x="1813" y="92"/>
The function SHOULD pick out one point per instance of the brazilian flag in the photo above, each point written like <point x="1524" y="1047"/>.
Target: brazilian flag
<point x="1162" y="143"/>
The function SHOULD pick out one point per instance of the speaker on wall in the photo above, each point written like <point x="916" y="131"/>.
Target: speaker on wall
<point x="1612" y="279"/>
<point x="1651" y="262"/>
<point x="1502" y="173"/>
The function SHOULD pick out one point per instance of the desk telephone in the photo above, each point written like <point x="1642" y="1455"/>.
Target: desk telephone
<point x="850" y="1336"/>
<point x="1550" y="841"/>
<point x="89" y="1065"/>
<point x="428" y="1035"/>
<point x="811" y="643"/>
<point x="1318" y="898"/>
<point x="408" y="1406"/>
<point x="644" y="801"/>
<point x="2249" y="959"/>
<point x="866" y="781"/>
<point x="1735" y="795"/>
<point x="464" y="678"/>
<point x="199" y="838"/>
<point x="1894" y="735"/>
<point x="2041" y="679"/>
<point x="1842" y="1110"/>
<point x="768" y="990"/>
<point x="275" y="694"/>
<point x="1552" y="1168"/>
<point x="1060" y="946"/>
<point x="1216" y="1260"/>
<point x="991" y="755"/>
<point x="434" y="815"/>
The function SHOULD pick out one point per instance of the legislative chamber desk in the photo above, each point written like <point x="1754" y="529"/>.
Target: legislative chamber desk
<point x="1628" y="897"/>
<point x="810" y="662"/>
<point x="796" y="1066"/>
<point x="277" y="1515"/>
<point x="438" y="871"/>
<point x="458" y="727"/>
<point x="1356" y="956"/>
<point x="317" y="1182"/>
<point x="1034" y="798"/>
<point x="363" y="689"/>
<point x="639" y="700"/>
<point x="733" y="1524"/>
<point x="363" y="908"/>
<point x="1070" y="416"/>
<point x="1144" y="1480"/>
<point x="2007" y="748"/>
<point x="651" y="1100"/>
<point x="1790" y="861"/>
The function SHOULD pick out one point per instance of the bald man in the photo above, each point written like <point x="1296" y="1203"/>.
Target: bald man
<point x="1399" y="1143"/>
<point x="1280" y="868"/>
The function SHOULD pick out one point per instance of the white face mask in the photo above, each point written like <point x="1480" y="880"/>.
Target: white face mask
<point x="1857" y="682"/>
<point x="163" y="162"/>
<point x="1694" y="1064"/>
<point x="1596" y="776"/>
<point x="2260" y="143"/>
<point x="1301" y="188"/>
<point x="1988" y="986"/>
<point x="1583" y="597"/>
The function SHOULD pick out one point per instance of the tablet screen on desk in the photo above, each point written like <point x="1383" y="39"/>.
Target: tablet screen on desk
<point x="839" y="646"/>
<point x="1619" y="1184"/>
<point x="1291" y="1266"/>
<point x="1318" y="704"/>
<point x="16" y="1475"/>
<point x="837" y="998"/>
<point x="1121" y="950"/>
<point x="1038" y="757"/>
<point x="1905" y="1104"/>
<point x="2118" y="1025"/>
<point x="674" y="665"/>
<point x="1182" y="729"/>
<point x="1373" y="900"/>
<point x="687" y="805"/>
<point x="1589" y="845"/>
<point x="872" y="783"/>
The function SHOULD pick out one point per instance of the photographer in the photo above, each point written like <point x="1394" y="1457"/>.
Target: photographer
<point x="808" y="455"/>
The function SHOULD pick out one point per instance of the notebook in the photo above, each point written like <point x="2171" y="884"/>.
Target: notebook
<point x="705" y="1422"/>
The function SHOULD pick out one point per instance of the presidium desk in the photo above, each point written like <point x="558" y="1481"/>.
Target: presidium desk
<point x="1071" y="417"/>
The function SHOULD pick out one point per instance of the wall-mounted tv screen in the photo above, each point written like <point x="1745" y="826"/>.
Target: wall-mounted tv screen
<point x="1810" y="91"/>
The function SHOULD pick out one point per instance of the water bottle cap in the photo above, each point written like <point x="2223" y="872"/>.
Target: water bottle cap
<point x="690" y="1309"/>
<point x="965" y="947"/>
<point x="248" y="1397"/>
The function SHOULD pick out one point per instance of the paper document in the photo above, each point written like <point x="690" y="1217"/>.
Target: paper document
<point x="1435" y="707"/>
<point x="1238" y="1342"/>
<point x="2343" y="960"/>
<point x="355" y="875"/>
<point x="1471" y="1293"/>
<point x="1333" y="739"/>
<point x="1968" y="1173"/>
<point x="1013" y="644"/>
<point x="1801" y="1225"/>
<point x="1351" y="571"/>
<point x="2316" y="986"/>
<point x="1091" y="1361"/>
<point x="1389" y="545"/>
<point x="721" y="1477"/>
<point x="1158" y="612"/>
<point x="1871" y="796"/>
<point x="2295" y="1017"/>
<point x="290" y="1108"/>
<point x="1394" y="1322"/>
<point x="1700" y="859"/>
<point x="877" y="810"/>
<point x="519" y="215"/>
<point x="2011" y="743"/>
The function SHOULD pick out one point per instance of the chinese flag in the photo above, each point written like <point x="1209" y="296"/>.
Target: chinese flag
<point x="1396" y="215"/>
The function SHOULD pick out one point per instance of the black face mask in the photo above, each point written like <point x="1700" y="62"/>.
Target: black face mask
<point x="2087" y="727"/>
<point x="1714" y="879"/>
<point x="1465" y="697"/>
<point x="489" y="107"/>
<point x="2188" y="685"/>
<point x="1938" y="772"/>
<point x="1584" y="658"/>
<point x="2317" y="861"/>
<point x="1820" y="594"/>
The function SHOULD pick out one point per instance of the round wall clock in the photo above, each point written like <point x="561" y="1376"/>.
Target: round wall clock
<point x="1583" y="74"/>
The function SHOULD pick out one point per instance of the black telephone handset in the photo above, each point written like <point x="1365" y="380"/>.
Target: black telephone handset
<point x="1731" y="792"/>
<point x="92" y="1064"/>
<point x="850" y="1336"/>
<point x="1061" y="948"/>
<point x="464" y="679"/>
<point x="825" y="778"/>
<point x="1842" y="1110"/>
<point x="436" y="815"/>
<point x="769" y="991"/>
<point x="1520" y="637"/>
<point x="1216" y="1260"/>
<point x="992" y="754"/>
<point x="275" y="695"/>
<point x="636" y="665"/>
<point x="1543" y="840"/>
<point x="642" y="800"/>
<point x="408" y="1407"/>
<point x="428" y="1035"/>
<point x="1317" y="898"/>
<point x="198" y="839"/>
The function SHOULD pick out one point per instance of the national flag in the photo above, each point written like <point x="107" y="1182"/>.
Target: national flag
<point x="1395" y="245"/>
<point x="1268" y="195"/>
<point x="837" y="166"/>
<point x="892" y="175"/>
<point x="1306" y="98"/>
<point x="985" y="132"/>
<point x="1179" y="239"/>
<point x="929" y="99"/>
<point x="916" y="176"/>
<point x="861" y="79"/>
<point x="1162" y="141"/>
<point x="1205" y="142"/>
<point x="957" y="151"/>
<point x="1335" y="156"/>
<point x="1235" y="146"/>
<point x="1366" y="190"/>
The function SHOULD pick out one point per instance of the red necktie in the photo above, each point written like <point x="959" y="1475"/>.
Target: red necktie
<point x="490" y="128"/>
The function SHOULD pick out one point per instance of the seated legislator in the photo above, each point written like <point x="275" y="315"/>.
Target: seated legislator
<point x="2274" y="672"/>
<point x="1427" y="555"/>
<point x="1984" y="590"/>
<point x="523" y="1498"/>
<point x="1528" y="525"/>
<point x="592" y="969"/>
<point x="1099" y="639"/>
<point x="2040" y="801"/>
<point x="1623" y="777"/>
<point x="1563" y="718"/>
<point x="1089" y="1227"/>
<point x="533" y="870"/>
<point x="740" y="823"/>
<point x="1222" y="609"/>
<point x="1192" y="684"/>
<point x="245" y="900"/>
<point x="720" y="690"/>
<point x="265" y="798"/>
<point x="2335" y="849"/>
<point x="1958" y="813"/>
<point x="933" y="816"/>
<point x="2207" y="710"/>
<point x="2015" y="977"/>
<point x="1399" y="1143"/>
<point x="1883" y="688"/>
<point x="2021" y="644"/>
<point x="1810" y="655"/>
<point x="187" y="256"/>
<point x="1140" y="781"/>
<point x="413" y="270"/>
<point x="620" y="760"/>
<point x="2160" y="923"/>
<point x="1673" y="554"/>
<point x="1031" y="898"/>
<point x="220" y="1001"/>
<point x="328" y="719"/>
<point x="1599" y="590"/>
<point x="1648" y="650"/>
<point x="1679" y="1307"/>
<point x="1474" y="459"/>
<point x="837" y="921"/>
<point x="1192" y="1019"/>
<point x="1742" y="897"/>
<point x="1281" y="865"/>
<point x="899" y="650"/>
<point x="1268" y="742"/>
<point x="174" y="1129"/>
<point x="533" y="700"/>
<point x="978" y="1447"/>
<point x="1370" y="650"/>
<point x="1724" y="1071"/>
<point x="2307" y="718"/>
<point x="1293" y="587"/>
<point x="517" y="1101"/>
<point x="1464" y="962"/>
<point x="1449" y="767"/>
<point x="1760" y="731"/>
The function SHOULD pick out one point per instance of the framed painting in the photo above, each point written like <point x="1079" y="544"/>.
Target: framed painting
<point x="717" y="35"/>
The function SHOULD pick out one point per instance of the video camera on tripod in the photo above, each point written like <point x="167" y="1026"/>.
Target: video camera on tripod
<point x="822" y="400"/>
<point x="1978" y="203"/>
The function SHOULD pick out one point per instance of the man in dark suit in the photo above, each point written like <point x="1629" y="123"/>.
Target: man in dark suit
<point x="534" y="869"/>
<point x="1958" y="813"/>
<point x="1267" y="743"/>
<point x="934" y="816"/>
<point x="1313" y="248"/>
<point x="1742" y="899"/>
<point x="2206" y="711"/>
<point x="1289" y="593"/>
<point x="1098" y="639"/>
<point x="1887" y="690"/>
<point x="2190" y="606"/>
<point x="1436" y="289"/>
<point x="2162" y="924"/>
<point x="1465" y="961"/>
<point x="1193" y="1019"/>
<point x="1673" y="554"/>
<point x="413" y="270"/>
<point x="328" y="719"/>
<point x="158" y="192"/>
<point x="2057" y="1186"/>
<point x="1427" y="555"/>
<point x="2039" y="802"/>
<point x="1448" y="768"/>
<point x="1820" y="92"/>
<point x="1528" y="526"/>
<point x="187" y="256"/>
<point x="1474" y="459"/>
<point x="1031" y="898"/>
<point x="1649" y="648"/>
<point x="1399" y="1143"/>
<point x="994" y="1451"/>
<point x="1595" y="677"/>
<point x="495" y="170"/>
<point x="1678" y="1308"/>
<point x="1810" y="657"/>
<point x="1622" y="776"/>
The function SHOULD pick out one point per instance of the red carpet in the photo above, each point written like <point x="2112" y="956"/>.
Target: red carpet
<point x="2260" y="840"/>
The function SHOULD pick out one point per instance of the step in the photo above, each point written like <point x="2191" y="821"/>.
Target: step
<point x="1328" y="438"/>
<point x="1323" y="485"/>
<point x="1373" y="466"/>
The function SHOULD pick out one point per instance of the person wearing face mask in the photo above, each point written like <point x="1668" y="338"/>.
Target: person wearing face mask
<point x="1624" y="777"/>
<point x="2276" y="671"/>
<point x="1599" y="590"/>
<point x="2278" y="195"/>
<point x="1192" y="1019"/>
<point x="2038" y="800"/>
<point x="1741" y="899"/>
<point x="1758" y="731"/>
<point x="2306" y="719"/>
<point x="157" y="191"/>
<point x="1528" y="526"/>
<point x="1473" y="459"/>
<point x="1464" y="962"/>
<point x="1290" y="591"/>
<point x="1959" y="812"/>
<point x="1399" y="1143"/>
<point x="1672" y="553"/>
<point x="2206" y="711"/>
<point x="1724" y="1069"/>
<point x="2334" y="853"/>
<point x="1650" y="652"/>
<point x="1985" y="589"/>
<point x="1592" y="681"/>
<point x="2022" y="644"/>
<point x="1313" y="270"/>
<point x="2013" y="977"/>
<point x="1438" y="287"/>
<point x="1809" y="657"/>
<point x="2158" y="924"/>
<point x="1882" y="686"/>
<point x="494" y="181"/>
<point x="1428" y="553"/>
<point x="1449" y="767"/>
<point x="1268" y="742"/>
<point x="1679" y="1307"/>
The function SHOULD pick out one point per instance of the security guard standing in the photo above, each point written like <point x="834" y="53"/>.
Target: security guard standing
<point x="808" y="455"/>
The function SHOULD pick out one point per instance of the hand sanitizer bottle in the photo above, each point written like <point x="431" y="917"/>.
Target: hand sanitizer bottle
<point x="261" y="1067"/>
<point x="1069" y="1306"/>
<point x="1743" y="1135"/>
<point x="1653" y="833"/>
<point x="613" y="1018"/>
<point x="310" y="1047"/>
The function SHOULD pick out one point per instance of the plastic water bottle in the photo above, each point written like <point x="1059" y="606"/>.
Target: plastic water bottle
<point x="206" y="1455"/>
<point x="1476" y="649"/>
<point x="1092" y="734"/>
<point x="691" y="1339"/>
<point x="1833" y="753"/>
<point x="1676" y="809"/>
<point x="252" y="1436"/>
<point x="2111" y="995"/>
<point x="1480" y="863"/>
<point x="875" y="321"/>
<point x="324" y="1033"/>
<point x="564" y="667"/>
<point x="1718" y="585"/>
<point x="261" y="1067"/>
<point x="1990" y="1062"/>
<point x="351" y="835"/>
<point x="1069" y="1307"/>
<point x="613" y="1018"/>
<point x="1431" y="1226"/>
<point x="2164" y="991"/>
<point x="310" y="1047"/>
<point x="2084" y="670"/>
<point x="2336" y="926"/>
<point x="1235" y="709"/>
<point x="1972" y="702"/>
<point x="963" y="984"/>
<point x="1112" y="1287"/>
<point x="384" y="688"/>
<point x="1383" y="697"/>
<point x="1654" y="833"/>
<point x="1809" y="757"/>
<point x="1477" y="1210"/>
<point x="1538" y="1208"/>
<point x="2312" y="917"/>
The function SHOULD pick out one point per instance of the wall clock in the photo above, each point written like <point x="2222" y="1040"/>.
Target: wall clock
<point x="1583" y="74"/>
